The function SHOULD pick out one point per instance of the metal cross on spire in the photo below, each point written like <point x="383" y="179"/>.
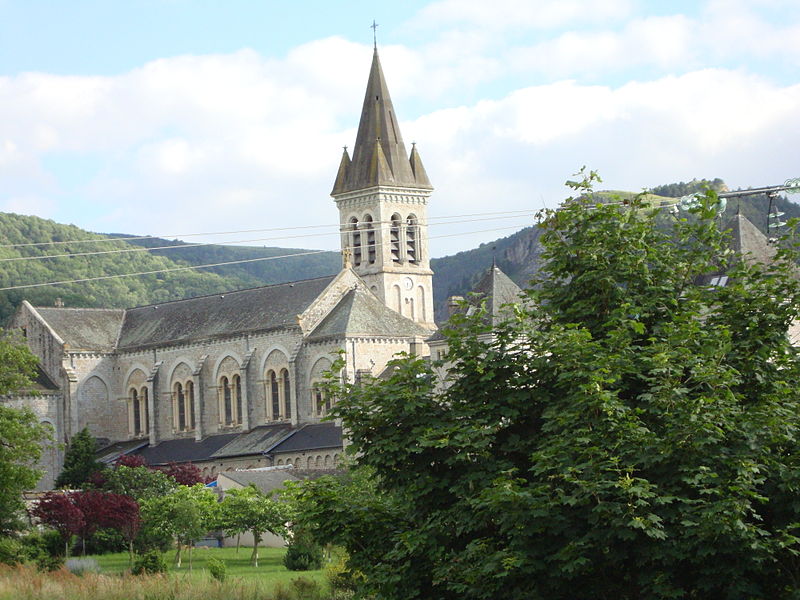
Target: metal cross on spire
<point x="374" y="28"/>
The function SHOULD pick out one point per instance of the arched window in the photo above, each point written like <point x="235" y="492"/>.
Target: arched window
<point x="135" y="413"/>
<point x="144" y="410"/>
<point x="318" y="462"/>
<point x="369" y="226"/>
<point x="421" y="303"/>
<point x="355" y="241"/>
<point x="394" y="238"/>
<point x="411" y="239"/>
<point x="227" y="400"/>
<point x="275" y="393"/>
<point x="183" y="405"/>
<point x="327" y="461"/>
<point x="319" y="400"/>
<point x="309" y="463"/>
<point x="287" y="393"/>
<point x="237" y="394"/>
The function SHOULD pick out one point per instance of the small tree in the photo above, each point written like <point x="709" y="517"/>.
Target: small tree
<point x="248" y="509"/>
<point x="79" y="461"/>
<point x="186" y="515"/>
<point x="138" y="482"/>
<point x="59" y="511"/>
<point x="184" y="473"/>
<point x="21" y="435"/>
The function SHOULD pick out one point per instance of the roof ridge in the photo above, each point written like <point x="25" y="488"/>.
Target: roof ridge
<point x="250" y="289"/>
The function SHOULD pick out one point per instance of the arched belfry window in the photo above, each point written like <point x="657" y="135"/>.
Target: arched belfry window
<point x="355" y="242"/>
<point x="369" y="230"/>
<point x="394" y="237"/>
<point x="412" y="249"/>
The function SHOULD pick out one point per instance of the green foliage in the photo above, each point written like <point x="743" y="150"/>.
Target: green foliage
<point x="140" y="483"/>
<point x="42" y="543"/>
<point x="21" y="435"/>
<point x="149" y="563"/>
<point x="626" y="434"/>
<point x="303" y="553"/>
<point x="247" y="509"/>
<point x="48" y="563"/>
<point x="12" y="551"/>
<point x="217" y="569"/>
<point x="186" y="515"/>
<point x="79" y="461"/>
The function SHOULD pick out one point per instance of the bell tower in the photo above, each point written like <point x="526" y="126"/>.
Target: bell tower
<point x="382" y="196"/>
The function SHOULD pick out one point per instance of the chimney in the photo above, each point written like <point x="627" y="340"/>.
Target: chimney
<point x="59" y="303"/>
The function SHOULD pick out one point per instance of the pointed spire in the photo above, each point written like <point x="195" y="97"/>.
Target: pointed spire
<point x="420" y="175"/>
<point x="341" y="174"/>
<point x="378" y="128"/>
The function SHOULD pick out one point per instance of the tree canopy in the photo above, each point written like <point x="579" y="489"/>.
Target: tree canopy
<point x="629" y="432"/>
<point x="80" y="462"/>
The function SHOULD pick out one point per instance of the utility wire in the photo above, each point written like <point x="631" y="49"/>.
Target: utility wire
<point x="220" y="264"/>
<point x="183" y="235"/>
<point x="203" y="244"/>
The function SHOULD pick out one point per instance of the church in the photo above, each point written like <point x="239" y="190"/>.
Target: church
<point x="230" y="380"/>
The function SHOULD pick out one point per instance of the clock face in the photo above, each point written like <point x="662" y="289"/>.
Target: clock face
<point x="408" y="283"/>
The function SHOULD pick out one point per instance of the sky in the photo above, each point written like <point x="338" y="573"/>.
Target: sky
<point x="180" y="117"/>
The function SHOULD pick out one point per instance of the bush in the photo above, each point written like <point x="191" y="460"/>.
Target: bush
<point x="12" y="552"/>
<point x="339" y="576"/>
<point x="80" y="566"/>
<point x="149" y="563"/>
<point x="105" y="541"/>
<point x="218" y="569"/>
<point x="303" y="553"/>
<point x="306" y="589"/>
<point x="150" y="538"/>
<point x="44" y="543"/>
<point x="47" y="563"/>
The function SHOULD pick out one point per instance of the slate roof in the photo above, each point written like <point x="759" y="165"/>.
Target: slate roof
<point x="90" y="329"/>
<point x="255" y="441"/>
<point x="208" y="317"/>
<point x="311" y="437"/>
<point x="747" y="240"/>
<point x="359" y="312"/>
<point x="266" y="480"/>
<point x="379" y="156"/>
<point x="495" y="288"/>
<point x="110" y="454"/>
<point x="185" y="449"/>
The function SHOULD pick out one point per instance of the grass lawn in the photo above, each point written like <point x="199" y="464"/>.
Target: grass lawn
<point x="270" y="565"/>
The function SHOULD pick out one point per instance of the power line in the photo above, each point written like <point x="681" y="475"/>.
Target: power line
<point x="220" y="264"/>
<point x="203" y="244"/>
<point x="235" y="232"/>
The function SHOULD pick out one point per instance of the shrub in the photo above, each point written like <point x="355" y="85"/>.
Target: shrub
<point x="149" y="563"/>
<point x="48" y="563"/>
<point x="12" y="552"/>
<point x="339" y="576"/>
<point x="218" y="569"/>
<point x="105" y="541"/>
<point x="306" y="589"/>
<point x="44" y="543"/>
<point x="303" y="553"/>
<point x="80" y="566"/>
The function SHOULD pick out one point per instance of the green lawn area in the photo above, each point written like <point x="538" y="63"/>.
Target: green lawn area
<point x="270" y="565"/>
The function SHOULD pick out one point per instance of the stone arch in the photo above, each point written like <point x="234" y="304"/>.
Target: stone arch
<point x="395" y="227"/>
<point x="327" y="461"/>
<point x="354" y="240"/>
<point x="93" y="405"/>
<point x="336" y="460"/>
<point x="310" y="462"/>
<point x="368" y="241"/>
<point x="136" y="376"/>
<point x="226" y="364"/>
<point x="397" y="298"/>
<point x="318" y="462"/>
<point x="280" y="462"/>
<point x="276" y="356"/>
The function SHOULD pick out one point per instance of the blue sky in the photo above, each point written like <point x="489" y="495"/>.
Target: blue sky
<point x="177" y="116"/>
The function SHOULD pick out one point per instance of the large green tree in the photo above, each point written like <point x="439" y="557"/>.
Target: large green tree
<point x="626" y="433"/>
<point x="248" y="509"/>
<point x="21" y="435"/>
<point x="80" y="461"/>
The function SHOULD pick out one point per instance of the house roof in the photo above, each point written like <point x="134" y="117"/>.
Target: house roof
<point x="205" y="317"/>
<point x="266" y="480"/>
<point x="359" y="312"/>
<point x="379" y="156"/>
<point x="311" y="437"/>
<point x="90" y="329"/>
<point x="109" y="454"/>
<point x="747" y="240"/>
<point x="496" y="289"/>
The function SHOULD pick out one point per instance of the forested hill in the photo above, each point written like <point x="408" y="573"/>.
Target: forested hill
<point x="518" y="255"/>
<point x="20" y="264"/>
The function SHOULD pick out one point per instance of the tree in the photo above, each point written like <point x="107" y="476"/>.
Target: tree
<point x="80" y="463"/>
<point x="626" y="433"/>
<point x="59" y="511"/>
<point x="248" y="509"/>
<point x="140" y="483"/>
<point x="184" y="473"/>
<point x="187" y="514"/>
<point x="21" y="435"/>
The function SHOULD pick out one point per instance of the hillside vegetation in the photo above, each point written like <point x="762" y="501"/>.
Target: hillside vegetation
<point x="517" y="255"/>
